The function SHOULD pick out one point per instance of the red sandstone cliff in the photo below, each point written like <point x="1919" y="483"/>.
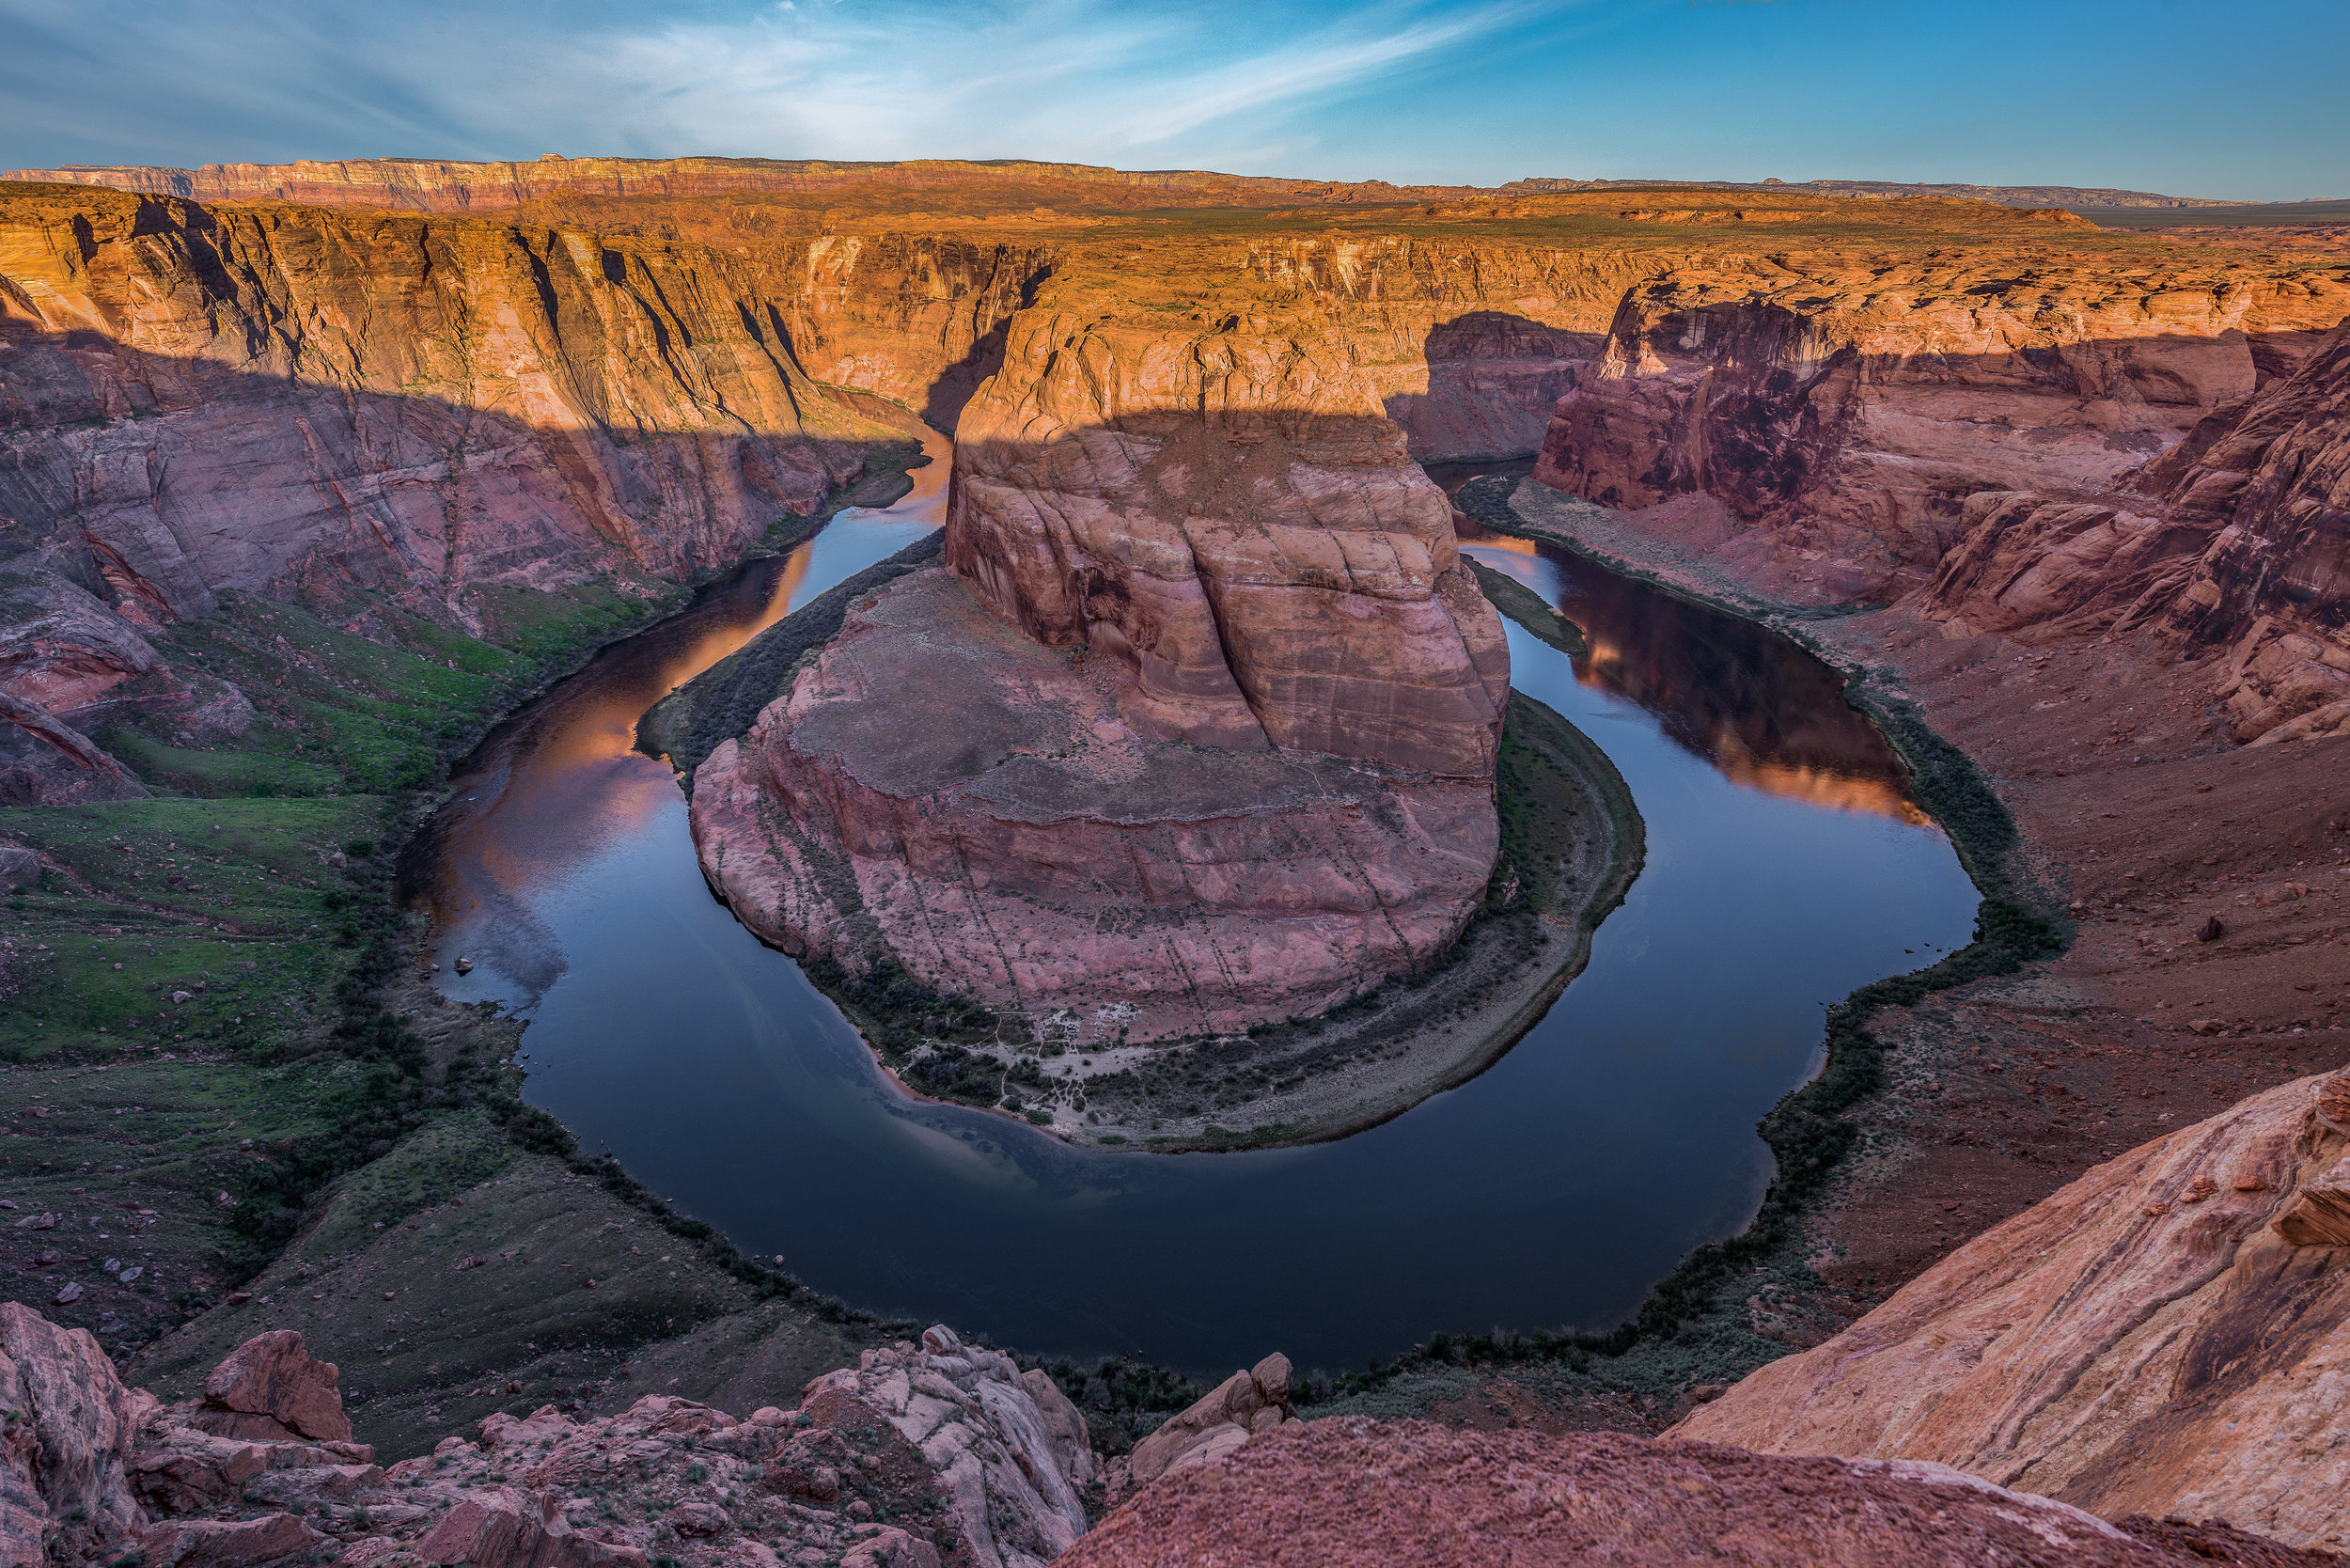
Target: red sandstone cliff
<point x="1842" y="409"/>
<point x="2240" y="537"/>
<point x="1257" y="782"/>
<point x="282" y="398"/>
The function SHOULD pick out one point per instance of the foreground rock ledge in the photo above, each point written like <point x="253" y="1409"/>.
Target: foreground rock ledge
<point x="1343" y="1492"/>
<point x="920" y="1455"/>
<point x="2166" y="1333"/>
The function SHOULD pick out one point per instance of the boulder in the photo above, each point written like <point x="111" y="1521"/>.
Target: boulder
<point x="226" y="1543"/>
<point x="1244" y="1405"/>
<point x="891" y="1548"/>
<point x="508" y="1528"/>
<point x="274" y="1377"/>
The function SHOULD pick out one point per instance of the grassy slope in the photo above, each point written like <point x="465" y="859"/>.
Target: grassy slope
<point x="277" y="1130"/>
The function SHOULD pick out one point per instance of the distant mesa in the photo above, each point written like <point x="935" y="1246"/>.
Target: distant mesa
<point x="463" y="185"/>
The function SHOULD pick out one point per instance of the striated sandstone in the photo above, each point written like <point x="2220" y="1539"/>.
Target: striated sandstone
<point x="2240" y="537"/>
<point x="239" y="399"/>
<point x="2160" y="1336"/>
<point x="1348" y="1491"/>
<point x="1844" y="408"/>
<point x="937" y="788"/>
<point x="1229" y="511"/>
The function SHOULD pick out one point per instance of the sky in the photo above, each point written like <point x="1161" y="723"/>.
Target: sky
<point x="2242" y="99"/>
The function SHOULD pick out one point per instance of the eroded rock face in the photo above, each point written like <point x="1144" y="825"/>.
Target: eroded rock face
<point x="1844" y="411"/>
<point x="1353" y="1491"/>
<point x="1231" y="514"/>
<point x="938" y="787"/>
<point x="1221" y="754"/>
<point x="405" y="403"/>
<point x="2160" y="1336"/>
<point x="2240" y="537"/>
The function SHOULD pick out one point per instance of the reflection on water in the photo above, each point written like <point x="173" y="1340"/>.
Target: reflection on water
<point x="1555" y="1188"/>
<point x="550" y="791"/>
<point x="1766" y="713"/>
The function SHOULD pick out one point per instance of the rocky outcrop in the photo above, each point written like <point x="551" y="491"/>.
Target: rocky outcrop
<point x="1239" y="1408"/>
<point x="1350" y="1491"/>
<point x="2240" y="537"/>
<point x="64" y="1492"/>
<point x="1010" y="1464"/>
<point x="1200" y="733"/>
<point x="211" y="400"/>
<point x="291" y="400"/>
<point x="938" y="791"/>
<point x="922" y="1455"/>
<point x="1229" y="513"/>
<point x="2160" y="1336"/>
<point x="1843" y="410"/>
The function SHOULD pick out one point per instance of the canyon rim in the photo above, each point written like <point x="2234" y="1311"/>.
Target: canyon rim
<point x="1469" y="868"/>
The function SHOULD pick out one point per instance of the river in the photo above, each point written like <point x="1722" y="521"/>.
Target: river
<point x="1786" y="864"/>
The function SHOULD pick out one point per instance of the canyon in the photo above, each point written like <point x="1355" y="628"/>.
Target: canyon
<point x="942" y="1452"/>
<point x="1196" y="634"/>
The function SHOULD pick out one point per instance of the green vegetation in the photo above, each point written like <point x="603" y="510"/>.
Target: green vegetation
<point x="1530" y="610"/>
<point x="225" y="1063"/>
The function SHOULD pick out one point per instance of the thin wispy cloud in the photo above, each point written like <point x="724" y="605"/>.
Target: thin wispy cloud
<point x="2154" y="97"/>
<point x="1086" y="80"/>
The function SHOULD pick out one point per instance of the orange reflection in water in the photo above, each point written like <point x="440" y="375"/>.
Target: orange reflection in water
<point x="1766" y="713"/>
<point x="563" y="781"/>
<point x="1821" y="787"/>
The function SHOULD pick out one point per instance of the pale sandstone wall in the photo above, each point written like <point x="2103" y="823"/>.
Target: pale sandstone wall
<point x="2161" y="1337"/>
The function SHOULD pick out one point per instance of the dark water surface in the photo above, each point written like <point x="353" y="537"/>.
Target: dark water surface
<point x="1785" y="867"/>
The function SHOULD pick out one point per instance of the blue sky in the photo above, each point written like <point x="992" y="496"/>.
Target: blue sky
<point x="2243" y="100"/>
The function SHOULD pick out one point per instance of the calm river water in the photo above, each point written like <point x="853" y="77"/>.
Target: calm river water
<point x="1785" y="867"/>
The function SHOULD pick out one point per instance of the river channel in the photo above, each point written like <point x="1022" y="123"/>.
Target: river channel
<point x="1786" y="864"/>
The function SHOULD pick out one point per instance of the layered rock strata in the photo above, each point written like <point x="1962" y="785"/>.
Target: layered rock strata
<point x="1841" y="410"/>
<point x="941" y="791"/>
<point x="2238" y="538"/>
<point x="922" y="1455"/>
<point x="2161" y="1336"/>
<point x="289" y="400"/>
<point x="1201" y="731"/>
